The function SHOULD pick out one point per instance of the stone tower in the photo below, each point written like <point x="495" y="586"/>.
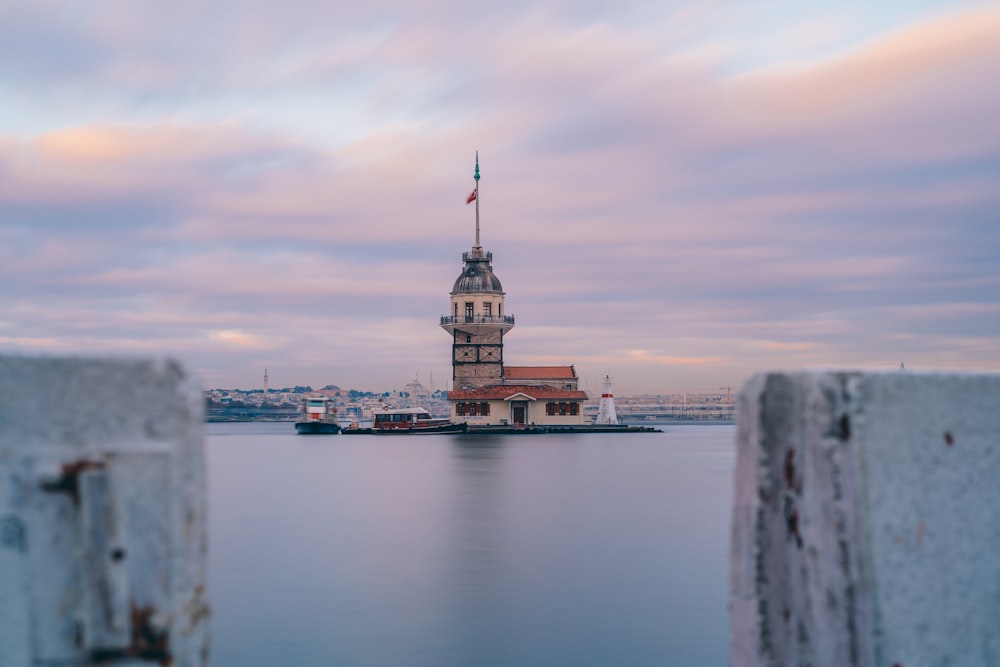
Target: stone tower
<point x="477" y="322"/>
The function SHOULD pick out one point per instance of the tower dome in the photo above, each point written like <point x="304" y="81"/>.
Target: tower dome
<point x="477" y="277"/>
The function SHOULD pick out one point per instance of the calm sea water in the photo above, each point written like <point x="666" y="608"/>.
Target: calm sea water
<point x="469" y="551"/>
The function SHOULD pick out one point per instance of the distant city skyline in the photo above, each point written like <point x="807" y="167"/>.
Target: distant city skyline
<point x="678" y="194"/>
<point x="593" y="388"/>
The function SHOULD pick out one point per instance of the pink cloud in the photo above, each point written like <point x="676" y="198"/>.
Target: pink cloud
<point x="880" y="96"/>
<point x="630" y="192"/>
<point x="30" y="342"/>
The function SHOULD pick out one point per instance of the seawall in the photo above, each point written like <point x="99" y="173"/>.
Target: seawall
<point x="102" y="513"/>
<point x="866" y="521"/>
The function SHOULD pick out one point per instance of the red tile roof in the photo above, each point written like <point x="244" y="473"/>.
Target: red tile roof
<point x="507" y="391"/>
<point x="538" y="372"/>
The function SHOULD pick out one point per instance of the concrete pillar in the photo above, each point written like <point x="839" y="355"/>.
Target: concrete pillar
<point x="866" y="522"/>
<point x="102" y="514"/>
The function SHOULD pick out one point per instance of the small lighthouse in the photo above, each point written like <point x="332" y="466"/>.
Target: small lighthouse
<point x="606" y="413"/>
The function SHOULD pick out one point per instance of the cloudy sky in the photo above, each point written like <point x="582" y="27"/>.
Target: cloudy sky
<point x="678" y="193"/>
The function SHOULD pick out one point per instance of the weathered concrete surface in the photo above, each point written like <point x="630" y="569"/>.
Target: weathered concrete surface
<point x="102" y="514"/>
<point x="866" y="523"/>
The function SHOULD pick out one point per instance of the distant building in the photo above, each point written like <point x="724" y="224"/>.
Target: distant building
<point x="485" y="390"/>
<point x="332" y="391"/>
<point x="416" y="393"/>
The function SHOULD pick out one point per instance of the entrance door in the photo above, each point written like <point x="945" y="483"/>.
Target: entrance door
<point x="518" y="413"/>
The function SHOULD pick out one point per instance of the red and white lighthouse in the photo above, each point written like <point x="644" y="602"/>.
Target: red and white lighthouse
<point x="606" y="412"/>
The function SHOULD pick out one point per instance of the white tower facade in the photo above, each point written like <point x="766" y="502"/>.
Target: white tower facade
<point x="606" y="412"/>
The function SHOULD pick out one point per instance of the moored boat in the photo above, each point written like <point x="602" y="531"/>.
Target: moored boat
<point x="401" y="421"/>
<point x="319" y="417"/>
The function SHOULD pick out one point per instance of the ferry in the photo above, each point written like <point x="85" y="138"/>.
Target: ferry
<point x="318" y="416"/>
<point x="413" y="421"/>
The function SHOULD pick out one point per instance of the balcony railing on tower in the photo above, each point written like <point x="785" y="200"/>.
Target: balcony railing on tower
<point x="476" y="319"/>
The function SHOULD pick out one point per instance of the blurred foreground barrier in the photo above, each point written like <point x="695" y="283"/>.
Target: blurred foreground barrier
<point x="866" y="523"/>
<point x="102" y="514"/>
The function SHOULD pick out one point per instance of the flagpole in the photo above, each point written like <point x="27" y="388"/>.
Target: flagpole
<point x="477" y="198"/>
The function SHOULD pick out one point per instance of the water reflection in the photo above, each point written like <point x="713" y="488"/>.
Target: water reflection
<point x="479" y="557"/>
<point x="466" y="446"/>
<point x="449" y="551"/>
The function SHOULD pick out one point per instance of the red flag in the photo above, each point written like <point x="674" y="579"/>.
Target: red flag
<point x="471" y="198"/>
